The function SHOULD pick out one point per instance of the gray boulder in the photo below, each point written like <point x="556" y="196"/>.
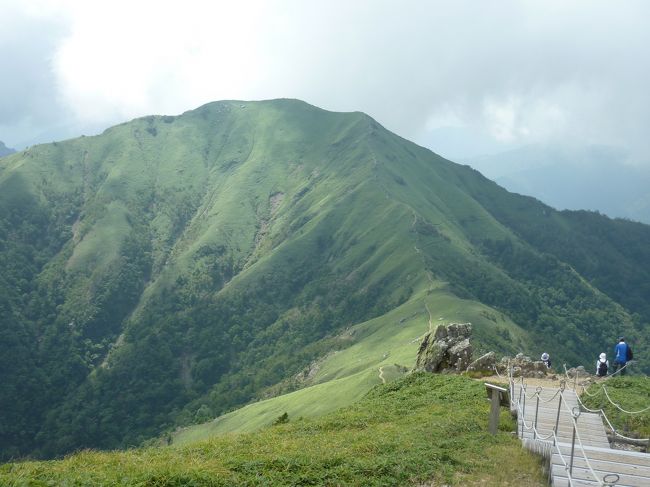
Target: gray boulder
<point x="485" y="362"/>
<point x="447" y="348"/>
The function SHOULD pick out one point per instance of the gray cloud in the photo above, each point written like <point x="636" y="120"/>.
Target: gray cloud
<point x="29" y="101"/>
<point x="495" y="74"/>
<point x="527" y="72"/>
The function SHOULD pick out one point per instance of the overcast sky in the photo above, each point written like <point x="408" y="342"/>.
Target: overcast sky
<point x="462" y="77"/>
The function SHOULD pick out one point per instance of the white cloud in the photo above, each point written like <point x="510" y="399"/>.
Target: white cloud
<point x="514" y="71"/>
<point x="125" y="59"/>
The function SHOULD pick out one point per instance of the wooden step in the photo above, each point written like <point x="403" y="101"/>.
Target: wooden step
<point x="585" y="474"/>
<point x="603" y="465"/>
<point x="564" y="418"/>
<point x="608" y="454"/>
<point x="552" y="413"/>
<point x="633" y="468"/>
<point x="586" y="442"/>
<point x="543" y="430"/>
<point x="564" y="482"/>
<point x="590" y="440"/>
<point x="565" y="429"/>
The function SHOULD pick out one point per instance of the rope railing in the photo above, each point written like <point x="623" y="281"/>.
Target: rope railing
<point x="496" y="371"/>
<point x="603" y="389"/>
<point x="520" y="407"/>
<point x="615" y="432"/>
<point x="618" y="371"/>
<point x="537" y="436"/>
<point x="621" y="409"/>
<point x="609" y="423"/>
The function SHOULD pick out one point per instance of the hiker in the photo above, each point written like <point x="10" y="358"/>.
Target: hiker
<point x="547" y="360"/>
<point x="622" y="354"/>
<point x="602" y="365"/>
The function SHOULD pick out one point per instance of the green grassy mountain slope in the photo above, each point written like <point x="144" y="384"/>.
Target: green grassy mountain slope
<point x="421" y="429"/>
<point x="378" y="351"/>
<point x="173" y="268"/>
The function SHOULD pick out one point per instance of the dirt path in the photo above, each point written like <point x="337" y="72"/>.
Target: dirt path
<point x="381" y="374"/>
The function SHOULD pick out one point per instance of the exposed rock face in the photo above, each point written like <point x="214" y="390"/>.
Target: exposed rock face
<point x="522" y="366"/>
<point x="485" y="362"/>
<point x="446" y="349"/>
<point x="579" y="371"/>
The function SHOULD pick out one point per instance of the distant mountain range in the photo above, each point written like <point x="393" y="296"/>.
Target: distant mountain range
<point x="4" y="150"/>
<point x="593" y="178"/>
<point x="176" y="267"/>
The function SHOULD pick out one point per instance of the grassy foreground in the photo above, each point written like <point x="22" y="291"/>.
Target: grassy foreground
<point x="419" y="429"/>
<point x="631" y="394"/>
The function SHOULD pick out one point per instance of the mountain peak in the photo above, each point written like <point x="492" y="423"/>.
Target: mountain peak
<point x="194" y="262"/>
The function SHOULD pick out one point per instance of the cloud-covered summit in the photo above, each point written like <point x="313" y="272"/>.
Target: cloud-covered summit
<point x="499" y="74"/>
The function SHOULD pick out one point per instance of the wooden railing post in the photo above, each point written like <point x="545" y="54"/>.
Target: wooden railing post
<point x="498" y="395"/>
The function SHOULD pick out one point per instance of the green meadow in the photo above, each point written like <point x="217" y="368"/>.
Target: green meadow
<point x="418" y="430"/>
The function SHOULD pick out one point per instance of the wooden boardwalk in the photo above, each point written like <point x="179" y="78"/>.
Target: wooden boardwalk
<point x="608" y="467"/>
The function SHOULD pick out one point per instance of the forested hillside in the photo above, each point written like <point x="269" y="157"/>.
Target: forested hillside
<point x="173" y="268"/>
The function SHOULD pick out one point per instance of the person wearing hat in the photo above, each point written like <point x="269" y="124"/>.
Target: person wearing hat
<point x="547" y="360"/>
<point x="602" y="364"/>
<point x="621" y="355"/>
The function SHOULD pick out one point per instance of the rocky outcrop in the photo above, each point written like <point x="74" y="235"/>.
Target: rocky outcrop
<point x="446" y="349"/>
<point x="522" y="365"/>
<point x="485" y="362"/>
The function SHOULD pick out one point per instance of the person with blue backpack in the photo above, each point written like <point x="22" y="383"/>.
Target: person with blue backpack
<point x="622" y="355"/>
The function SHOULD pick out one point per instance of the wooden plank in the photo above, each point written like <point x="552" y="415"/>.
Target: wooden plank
<point x="623" y="456"/>
<point x="605" y="466"/>
<point x="583" y="435"/>
<point x="545" y="393"/>
<point x="564" y="482"/>
<point x="568" y="430"/>
<point x="550" y="422"/>
<point x="564" y="416"/>
<point x="585" y="444"/>
<point x="633" y="468"/>
<point x="585" y="474"/>
<point x="552" y="409"/>
<point x="564" y="421"/>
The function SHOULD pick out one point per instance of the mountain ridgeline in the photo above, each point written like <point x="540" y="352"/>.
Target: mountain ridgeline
<point x="173" y="268"/>
<point x="4" y="150"/>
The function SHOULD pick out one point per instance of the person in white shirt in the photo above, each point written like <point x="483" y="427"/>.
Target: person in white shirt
<point x="602" y="364"/>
